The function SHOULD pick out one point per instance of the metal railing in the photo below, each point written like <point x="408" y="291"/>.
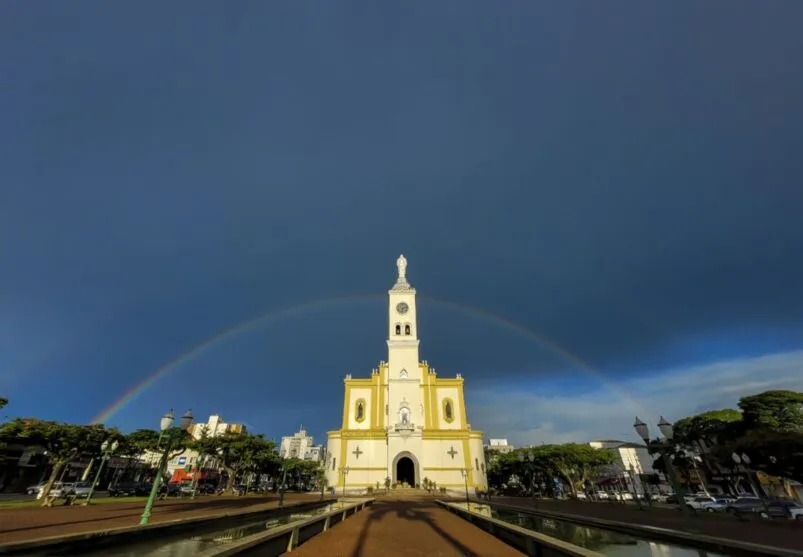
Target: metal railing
<point x="527" y="541"/>
<point x="283" y="539"/>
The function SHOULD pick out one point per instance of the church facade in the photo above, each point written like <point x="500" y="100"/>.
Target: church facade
<point x="404" y="422"/>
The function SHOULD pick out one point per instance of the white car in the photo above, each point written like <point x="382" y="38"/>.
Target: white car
<point x="699" y="503"/>
<point x="719" y="505"/>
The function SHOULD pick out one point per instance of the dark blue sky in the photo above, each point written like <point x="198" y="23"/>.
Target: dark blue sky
<point x="627" y="184"/>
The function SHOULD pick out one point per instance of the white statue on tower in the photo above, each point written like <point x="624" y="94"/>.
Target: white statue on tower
<point x="401" y="264"/>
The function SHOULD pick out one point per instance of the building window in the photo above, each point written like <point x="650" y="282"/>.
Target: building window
<point x="359" y="410"/>
<point x="334" y="463"/>
<point x="407" y="329"/>
<point x="477" y="463"/>
<point x="398" y="329"/>
<point x="448" y="410"/>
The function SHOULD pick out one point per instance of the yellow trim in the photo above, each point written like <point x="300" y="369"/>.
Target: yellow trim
<point x="374" y="399"/>
<point x="453" y="382"/>
<point x="367" y="468"/>
<point x="344" y="446"/>
<point x="346" y="401"/>
<point x="358" y="382"/>
<point x="357" y="417"/>
<point x="448" y="434"/>
<point x="363" y="434"/>
<point x="383" y="383"/>
<point x="467" y="454"/>
<point x="444" y="468"/>
<point x="444" y="402"/>
<point x="463" y="416"/>
<point x="433" y="401"/>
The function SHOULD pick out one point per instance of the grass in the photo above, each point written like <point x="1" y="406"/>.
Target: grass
<point x="31" y="503"/>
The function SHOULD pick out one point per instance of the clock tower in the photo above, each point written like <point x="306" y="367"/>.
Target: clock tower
<point x="403" y="340"/>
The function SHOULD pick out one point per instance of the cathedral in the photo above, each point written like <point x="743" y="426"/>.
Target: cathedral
<point x="404" y="422"/>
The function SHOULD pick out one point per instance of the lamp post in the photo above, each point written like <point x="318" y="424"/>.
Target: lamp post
<point x="345" y="471"/>
<point x="745" y="461"/>
<point x="170" y="434"/>
<point x="663" y="448"/>
<point x="464" y="472"/>
<point x="106" y="450"/>
<point x="284" y="481"/>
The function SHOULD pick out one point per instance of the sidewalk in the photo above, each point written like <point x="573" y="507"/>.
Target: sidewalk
<point x="407" y="526"/>
<point x="35" y="523"/>
<point x="777" y="533"/>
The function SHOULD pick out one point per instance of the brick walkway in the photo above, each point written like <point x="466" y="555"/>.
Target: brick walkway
<point x="35" y="523"/>
<point x="408" y="526"/>
<point x="777" y="533"/>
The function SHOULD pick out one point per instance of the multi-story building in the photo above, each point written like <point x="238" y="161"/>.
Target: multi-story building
<point x="213" y="427"/>
<point x="300" y="445"/>
<point x="500" y="446"/>
<point x="633" y="463"/>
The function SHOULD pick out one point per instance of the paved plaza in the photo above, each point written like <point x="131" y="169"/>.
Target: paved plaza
<point x="36" y="522"/>
<point x="407" y="525"/>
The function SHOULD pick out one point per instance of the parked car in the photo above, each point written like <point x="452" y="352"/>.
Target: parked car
<point x="35" y="489"/>
<point x="718" y="505"/>
<point x="82" y="489"/>
<point x="699" y="503"/>
<point x="123" y="489"/>
<point x="744" y="505"/>
<point x="62" y="489"/>
<point x="782" y="509"/>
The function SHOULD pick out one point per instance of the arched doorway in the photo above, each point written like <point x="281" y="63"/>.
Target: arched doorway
<point x="405" y="471"/>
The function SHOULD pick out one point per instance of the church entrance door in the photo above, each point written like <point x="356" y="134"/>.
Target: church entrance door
<point x="405" y="471"/>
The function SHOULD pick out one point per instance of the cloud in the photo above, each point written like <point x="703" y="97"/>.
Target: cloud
<point x="530" y="418"/>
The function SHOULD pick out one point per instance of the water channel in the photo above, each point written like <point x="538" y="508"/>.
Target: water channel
<point x="608" y="543"/>
<point x="189" y="545"/>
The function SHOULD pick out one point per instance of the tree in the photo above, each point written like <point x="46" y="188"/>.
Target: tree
<point x="574" y="462"/>
<point x="710" y="428"/>
<point x="63" y="442"/>
<point x="3" y="402"/>
<point x="237" y="452"/>
<point x="773" y="411"/>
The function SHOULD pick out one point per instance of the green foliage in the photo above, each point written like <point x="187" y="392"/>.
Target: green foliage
<point x="709" y="427"/>
<point x="239" y="452"/>
<point x="773" y="410"/>
<point x="62" y="441"/>
<point x="3" y="402"/>
<point x="573" y="462"/>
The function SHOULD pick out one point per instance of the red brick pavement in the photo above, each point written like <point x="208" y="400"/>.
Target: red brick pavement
<point x="405" y="525"/>
<point x="37" y="522"/>
<point x="776" y="533"/>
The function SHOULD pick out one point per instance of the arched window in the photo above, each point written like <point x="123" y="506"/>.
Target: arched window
<point x="448" y="410"/>
<point x="359" y="410"/>
<point x="407" y="329"/>
<point x="398" y="329"/>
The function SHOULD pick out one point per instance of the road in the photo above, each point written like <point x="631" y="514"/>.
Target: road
<point x="24" y="497"/>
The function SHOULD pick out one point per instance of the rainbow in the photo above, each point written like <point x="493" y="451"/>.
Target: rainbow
<point x="239" y="328"/>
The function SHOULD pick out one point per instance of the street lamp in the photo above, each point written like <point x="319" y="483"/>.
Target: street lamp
<point x="284" y="480"/>
<point x="106" y="450"/>
<point x="664" y="447"/>
<point x="170" y="434"/>
<point x="464" y="472"/>
<point x="745" y="461"/>
<point x="345" y="471"/>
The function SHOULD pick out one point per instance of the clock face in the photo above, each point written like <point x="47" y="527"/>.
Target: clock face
<point x="402" y="308"/>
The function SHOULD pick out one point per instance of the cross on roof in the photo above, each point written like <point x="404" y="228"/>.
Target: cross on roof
<point x="451" y="452"/>
<point x="357" y="452"/>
